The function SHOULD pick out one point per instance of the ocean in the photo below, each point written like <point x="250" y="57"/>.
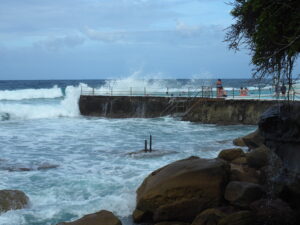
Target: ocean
<point x="70" y="165"/>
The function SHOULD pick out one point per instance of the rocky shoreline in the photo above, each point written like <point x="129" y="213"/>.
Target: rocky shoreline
<point x="253" y="187"/>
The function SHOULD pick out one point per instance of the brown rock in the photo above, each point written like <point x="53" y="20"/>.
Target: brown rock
<point x="231" y="154"/>
<point x="273" y="212"/>
<point x="254" y="140"/>
<point x="12" y="199"/>
<point x="184" y="210"/>
<point x="240" y="161"/>
<point x="258" y="157"/>
<point x="139" y="216"/>
<point x="244" y="173"/>
<point x="239" y="218"/>
<point x="177" y="186"/>
<point x="241" y="194"/>
<point x="172" y="223"/>
<point x="102" y="217"/>
<point x="209" y="217"/>
<point x="239" y="142"/>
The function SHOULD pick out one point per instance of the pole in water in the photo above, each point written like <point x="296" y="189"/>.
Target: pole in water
<point x="146" y="146"/>
<point x="150" y="149"/>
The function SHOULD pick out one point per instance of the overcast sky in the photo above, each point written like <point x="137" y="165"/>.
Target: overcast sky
<point x="96" y="39"/>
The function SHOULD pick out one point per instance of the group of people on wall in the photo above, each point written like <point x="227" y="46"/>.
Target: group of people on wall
<point x="221" y="92"/>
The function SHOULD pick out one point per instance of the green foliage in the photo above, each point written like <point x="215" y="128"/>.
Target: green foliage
<point x="271" y="30"/>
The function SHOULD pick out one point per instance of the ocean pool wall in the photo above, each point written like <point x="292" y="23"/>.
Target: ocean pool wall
<point x="216" y="111"/>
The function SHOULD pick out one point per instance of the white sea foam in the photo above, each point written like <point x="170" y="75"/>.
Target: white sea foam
<point x="54" y="92"/>
<point x="94" y="170"/>
<point x="67" y="107"/>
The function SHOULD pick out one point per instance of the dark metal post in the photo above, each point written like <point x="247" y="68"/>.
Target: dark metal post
<point x="146" y="146"/>
<point x="150" y="147"/>
<point x="202" y="91"/>
<point x="233" y="93"/>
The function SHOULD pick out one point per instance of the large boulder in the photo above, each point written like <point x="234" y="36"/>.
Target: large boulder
<point x="241" y="194"/>
<point x="12" y="199"/>
<point x="244" y="173"/>
<point x="239" y="218"/>
<point x="231" y="154"/>
<point x="258" y="157"/>
<point x="172" y="223"/>
<point x="252" y="140"/>
<point x="209" y="217"/>
<point x="102" y="217"/>
<point x="240" y="161"/>
<point x="280" y="126"/>
<point x="180" y="190"/>
<point x="273" y="212"/>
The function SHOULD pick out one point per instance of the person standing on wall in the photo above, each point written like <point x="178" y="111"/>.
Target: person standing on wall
<point x="219" y="88"/>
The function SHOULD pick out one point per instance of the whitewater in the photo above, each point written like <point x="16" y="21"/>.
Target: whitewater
<point x="70" y="165"/>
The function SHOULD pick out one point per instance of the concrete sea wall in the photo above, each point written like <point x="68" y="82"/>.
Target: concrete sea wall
<point x="122" y="106"/>
<point x="229" y="111"/>
<point x="217" y="111"/>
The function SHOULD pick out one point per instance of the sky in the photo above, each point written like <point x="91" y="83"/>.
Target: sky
<point x="97" y="39"/>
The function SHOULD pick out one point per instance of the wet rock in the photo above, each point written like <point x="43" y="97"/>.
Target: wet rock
<point x="209" y="217"/>
<point x="12" y="167"/>
<point x="273" y="212"/>
<point x="240" y="161"/>
<point x="47" y="166"/>
<point x="244" y="173"/>
<point x="12" y="199"/>
<point x="258" y="157"/>
<point x="252" y="140"/>
<point x="139" y="216"/>
<point x="102" y="217"/>
<point x="231" y="154"/>
<point x="241" y="194"/>
<point x="184" y="210"/>
<point x="153" y="154"/>
<point x="239" y="142"/>
<point x="18" y="169"/>
<point x="178" y="186"/>
<point x="239" y="218"/>
<point x="172" y="223"/>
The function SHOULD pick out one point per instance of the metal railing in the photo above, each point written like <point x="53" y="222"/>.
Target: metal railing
<point x="266" y="93"/>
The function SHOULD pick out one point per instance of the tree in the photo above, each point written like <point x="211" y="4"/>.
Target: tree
<point x="271" y="30"/>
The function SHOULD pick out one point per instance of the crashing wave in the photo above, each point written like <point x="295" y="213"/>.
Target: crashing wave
<point x="54" y="92"/>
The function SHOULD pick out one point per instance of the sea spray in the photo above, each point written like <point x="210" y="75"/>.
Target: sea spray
<point x="36" y="109"/>
<point x="54" y="92"/>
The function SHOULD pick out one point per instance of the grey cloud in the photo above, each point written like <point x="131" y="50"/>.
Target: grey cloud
<point x="50" y="17"/>
<point x="55" y="43"/>
<point x="114" y="36"/>
<point x="182" y="34"/>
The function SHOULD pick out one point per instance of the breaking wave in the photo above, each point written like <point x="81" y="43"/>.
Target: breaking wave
<point x="66" y="107"/>
<point x="54" y="92"/>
